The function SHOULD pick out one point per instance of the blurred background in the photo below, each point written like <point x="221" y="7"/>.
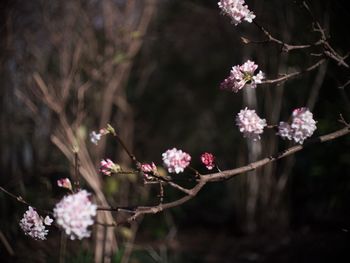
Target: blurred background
<point x="152" y="69"/>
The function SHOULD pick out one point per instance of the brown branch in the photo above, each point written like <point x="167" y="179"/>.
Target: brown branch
<point x="214" y="177"/>
<point x="131" y="156"/>
<point x="285" y="47"/>
<point x="18" y="198"/>
<point x="50" y="101"/>
<point x="252" y="166"/>
<point x="228" y="174"/>
<point x="76" y="173"/>
<point x="142" y="210"/>
<point x="328" y="50"/>
<point x="344" y="85"/>
<point x="21" y="200"/>
<point x="294" y="74"/>
<point x="171" y="183"/>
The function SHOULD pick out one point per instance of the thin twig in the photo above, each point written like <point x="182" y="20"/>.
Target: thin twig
<point x="344" y="85"/>
<point x="76" y="182"/>
<point x="21" y="200"/>
<point x="131" y="156"/>
<point x="161" y="193"/>
<point x="293" y="74"/>
<point x="285" y="47"/>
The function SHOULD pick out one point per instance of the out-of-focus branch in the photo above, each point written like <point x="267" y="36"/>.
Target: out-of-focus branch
<point x="6" y="244"/>
<point x="51" y="102"/>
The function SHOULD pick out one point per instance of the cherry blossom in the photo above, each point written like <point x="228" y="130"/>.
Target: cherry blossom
<point x="242" y="76"/>
<point x="74" y="213"/>
<point x="33" y="225"/>
<point x="237" y="10"/>
<point x="302" y="126"/>
<point x="149" y="170"/>
<point x="250" y="124"/>
<point x="107" y="167"/>
<point x="176" y="160"/>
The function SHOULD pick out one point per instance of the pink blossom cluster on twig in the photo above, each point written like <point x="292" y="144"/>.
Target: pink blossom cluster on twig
<point x="250" y="124"/>
<point x="237" y="10"/>
<point x="176" y="160"/>
<point x="242" y="76"/>
<point x="74" y="214"/>
<point x="33" y="224"/>
<point x="302" y="126"/>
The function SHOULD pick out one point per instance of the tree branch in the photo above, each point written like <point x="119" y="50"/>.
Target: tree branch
<point x="294" y="74"/>
<point x="228" y="174"/>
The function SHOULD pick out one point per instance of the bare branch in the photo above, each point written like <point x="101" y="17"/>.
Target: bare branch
<point x="285" y="47"/>
<point x="294" y="74"/>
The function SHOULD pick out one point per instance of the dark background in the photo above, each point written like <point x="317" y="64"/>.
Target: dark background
<point x="169" y="96"/>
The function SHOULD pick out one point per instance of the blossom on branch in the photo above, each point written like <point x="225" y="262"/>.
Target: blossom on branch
<point x="96" y="137"/>
<point x="107" y="167"/>
<point x="242" y="76"/>
<point x="301" y="127"/>
<point x="74" y="213"/>
<point x="33" y="225"/>
<point x="250" y="124"/>
<point x="237" y="10"/>
<point x="208" y="160"/>
<point x="64" y="183"/>
<point x="149" y="170"/>
<point x="176" y="160"/>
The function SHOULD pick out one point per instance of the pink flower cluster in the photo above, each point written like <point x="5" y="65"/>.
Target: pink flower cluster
<point x="208" y="160"/>
<point x="33" y="225"/>
<point x="74" y="213"/>
<point x="237" y="10"/>
<point x="242" y="76"/>
<point x="149" y="170"/>
<point x="250" y="124"/>
<point x="302" y="126"/>
<point x="176" y="160"/>
<point x="107" y="167"/>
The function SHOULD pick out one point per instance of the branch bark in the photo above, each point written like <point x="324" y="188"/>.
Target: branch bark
<point x="228" y="174"/>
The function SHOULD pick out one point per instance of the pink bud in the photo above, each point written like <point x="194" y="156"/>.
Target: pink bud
<point x="106" y="167"/>
<point x="64" y="183"/>
<point x="147" y="168"/>
<point x="208" y="160"/>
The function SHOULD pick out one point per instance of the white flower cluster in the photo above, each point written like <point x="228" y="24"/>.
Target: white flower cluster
<point x="95" y="137"/>
<point x="176" y="160"/>
<point x="250" y="124"/>
<point x="302" y="126"/>
<point x="242" y="76"/>
<point x="74" y="213"/>
<point x="237" y="10"/>
<point x="33" y="225"/>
